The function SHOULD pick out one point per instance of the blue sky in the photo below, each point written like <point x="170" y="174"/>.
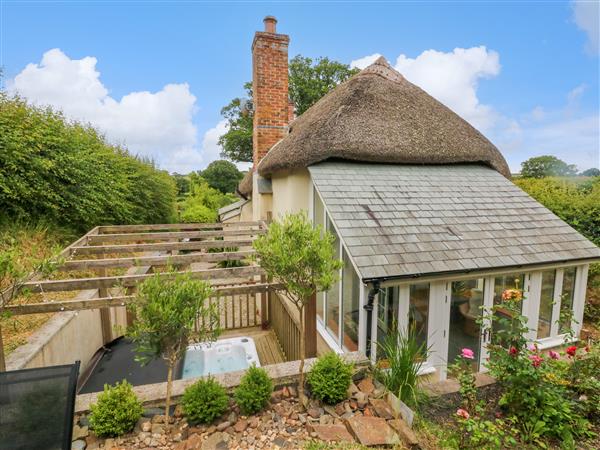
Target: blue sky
<point x="154" y="75"/>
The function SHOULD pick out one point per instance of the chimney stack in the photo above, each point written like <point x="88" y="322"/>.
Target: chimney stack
<point x="269" y="88"/>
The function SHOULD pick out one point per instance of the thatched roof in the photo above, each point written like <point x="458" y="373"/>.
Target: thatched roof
<point x="379" y="116"/>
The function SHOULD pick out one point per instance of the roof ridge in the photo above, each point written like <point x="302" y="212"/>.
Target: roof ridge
<point x="384" y="69"/>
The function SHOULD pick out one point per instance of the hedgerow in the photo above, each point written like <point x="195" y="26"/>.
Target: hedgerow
<point x="66" y="173"/>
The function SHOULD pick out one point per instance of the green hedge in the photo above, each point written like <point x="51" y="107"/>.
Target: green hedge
<point x="66" y="173"/>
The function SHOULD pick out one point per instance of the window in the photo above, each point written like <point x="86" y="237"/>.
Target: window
<point x="350" y="305"/>
<point x="418" y="311"/>
<point x="333" y="295"/>
<point x="387" y="312"/>
<point x="566" y="299"/>
<point x="546" y="304"/>
<point x="466" y="303"/>
<point x="508" y="281"/>
<point x="319" y="220"/>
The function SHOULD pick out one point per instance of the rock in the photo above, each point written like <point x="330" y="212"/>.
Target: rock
<point x="157" y="428"/>
<point x="109" y="443"/>
<point x="285" y="392"/>
<point x="352" y="389"/>
<point x="332" y="433"/>
<point x="241" y="426"/>
<point x="367" y="412"/>
<point x="275" y="396"/>
<point x="366" y="385"/>
<point x="292" y="391"/>
<point x="325" y="420"/>
<point x="211" y="429"/>
<point x="144" y="425"/>
<point x="361" y="399"/>
<point x="340" y="408"/>
<point x="279" y="442"/>
<point x="78" y="444"/>
<point x="232" y="417"/>
<point x="223" y="425"/>
<point x="178" y="411"/>
<point x="314" y="412"/>
<point x="253" y="422"/>
<point x="79" y="432"/>
<point x="378" y="392"/>
<point x="382" y="408"/>
<point x="160" y="418"/>
<point x="330" y="410"/>
<point x="194" y="442"/>
<point x="406" y="434"/>
<point x="372" y="431"/>
<point x="84" y="421"/>
<point x="92" y="441"/>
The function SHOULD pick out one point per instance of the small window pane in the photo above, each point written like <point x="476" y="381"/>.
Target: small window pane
<point x="350" y="303"/>
<point x="319" y="219"/>
<point x="418" y="311"/>
<point x="387" y="312"/>
<point x="546" y="304"/>
<point x="333" y="295"/>
<point x="566" y="299"/>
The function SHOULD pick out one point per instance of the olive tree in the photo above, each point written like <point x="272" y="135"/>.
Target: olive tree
<point x="302" y="259"/>
<point x="171" y="310"/>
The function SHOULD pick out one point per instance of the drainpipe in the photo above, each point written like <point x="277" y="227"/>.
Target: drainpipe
<point x="369" y="308"/>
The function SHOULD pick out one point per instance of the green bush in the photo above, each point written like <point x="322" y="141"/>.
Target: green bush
<point x="66" y="173"/>
<point x="117" y="411"/>
<point x="203" y="202"/>
<point x="204" y="401"/>
<point x="330" y="378"/>
<point x="254" y="391"/>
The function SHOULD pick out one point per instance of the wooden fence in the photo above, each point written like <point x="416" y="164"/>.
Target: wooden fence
<point x="286" y="324"/>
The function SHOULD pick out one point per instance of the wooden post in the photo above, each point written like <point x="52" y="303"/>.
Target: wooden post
<point x="2" y="360"/>
<point x="264" y="306"/>
<point x="105" y="322"/>
<point x="310" y="324"/>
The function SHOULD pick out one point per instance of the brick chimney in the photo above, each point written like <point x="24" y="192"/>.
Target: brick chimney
<point x="269" y="88"/>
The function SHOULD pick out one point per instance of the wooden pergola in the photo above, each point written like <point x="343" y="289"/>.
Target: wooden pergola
<point x="115" y="255"/>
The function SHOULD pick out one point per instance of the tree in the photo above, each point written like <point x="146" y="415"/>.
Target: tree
<point x="302" y="258"/>
<point x="309" y="80"/>
<point x="182" y="182"/>
<point x="202" y="203"/>
<point x="593" y="172"/>
<point x="546" y="166"/>
<point x="222" y="175"/>
<point x="167" y="309"/>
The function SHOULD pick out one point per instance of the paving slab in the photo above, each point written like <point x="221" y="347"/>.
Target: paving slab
<point x="333" y="433"/>
<point x="382" y="408"/>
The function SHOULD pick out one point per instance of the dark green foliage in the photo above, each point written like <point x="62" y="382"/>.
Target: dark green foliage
<point x="204" y="401"/>
<point x="254" y="391"/>
<point x="117" y="411"/>
<point x="222" y="175"/>
<point x="309" y="80"/>
<point x="546" y="166"/>
<point x="66" y="173"/>
<point x="330" y="378"/>
<point x="312" y="79"/>
<point x="183" y="184"/>
<point x="237" y="142"/>
<point x="593" y="172"/>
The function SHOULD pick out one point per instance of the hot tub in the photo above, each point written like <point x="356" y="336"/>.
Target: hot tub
<point x="225" y="355"/>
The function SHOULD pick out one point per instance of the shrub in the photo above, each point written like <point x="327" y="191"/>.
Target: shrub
<point x="254" y="391"/>
<point x="204" y="401"/>
<point x="330" y="378"/>
<point x="117" y="411"/>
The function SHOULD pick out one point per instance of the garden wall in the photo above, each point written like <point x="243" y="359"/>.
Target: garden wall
<point x="282" y="374"/>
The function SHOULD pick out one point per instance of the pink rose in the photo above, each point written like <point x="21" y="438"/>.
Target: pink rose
<point x="467" y="353"/>
<point x="463" y="413"/>
<point x="553" y="354"/>
<point x="536" y="360"/>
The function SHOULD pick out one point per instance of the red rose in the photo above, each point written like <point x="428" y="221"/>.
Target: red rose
<point x="572" y="350"/>
<point x="513" y="351"/>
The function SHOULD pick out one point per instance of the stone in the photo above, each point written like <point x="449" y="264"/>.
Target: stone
<point x="315" y="412"/>
<point x="211" y="429"/>
<point x="330" y="410"/>
<point x="157" y="428"/>
<point x="275" y="397"/>
<point x="194" y="442"/>
<point x="79" y="444"/>
<point x="92" y="441"/>
<point x="223" y="425"/>
<point x="292" y="391"/>
<point x="332" y="433"/>
<point x="241" y="426"/>
<point x="80" y="432"/>
<point x="340" y="409"/>
<point x="151" y="412"/>
<point x="144" y="425"/>
<point x="382" y="408"/>
<point x="253" y="422"/>
<point x="372" y="431"/>
<point x="279" y="442"/>
<point x="216" y="441"/>
<point x="84" y="421"/>
<point x="178" y="412"/>
<point x="325" y="420"/>
<point x="361" y="399"/>
<point x="352" y="389"/>
<point x="232" y="417"/>
<point x="109" y="443"/>
<point x="406" y="434"/>
<point x="366" y="385"/>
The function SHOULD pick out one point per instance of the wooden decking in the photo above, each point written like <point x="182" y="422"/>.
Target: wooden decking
<point x="267" y="346"/>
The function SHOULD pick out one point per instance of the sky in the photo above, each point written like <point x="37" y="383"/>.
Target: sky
<point x="154" y="75"/>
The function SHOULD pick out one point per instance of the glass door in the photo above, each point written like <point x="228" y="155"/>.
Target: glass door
<point x="464" y="330"/>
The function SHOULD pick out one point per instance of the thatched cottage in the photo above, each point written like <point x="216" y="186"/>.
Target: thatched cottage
<point x="426" y="219"/>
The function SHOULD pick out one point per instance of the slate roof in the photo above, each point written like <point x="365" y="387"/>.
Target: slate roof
<point x="409" y="220"/>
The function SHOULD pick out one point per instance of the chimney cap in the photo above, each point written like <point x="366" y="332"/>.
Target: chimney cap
<point x="270" y="23"/>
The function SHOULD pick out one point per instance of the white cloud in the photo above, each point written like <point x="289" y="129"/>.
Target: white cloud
<point x="586" y="15"/>
<point x="452" y="78"/>
<point x="158" y="125"/>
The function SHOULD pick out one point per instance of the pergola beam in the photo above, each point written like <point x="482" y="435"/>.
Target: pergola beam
<point x="133" y="280"/>
<point x="168" y="235"/>
<point x="158" y="246"/>
<point x="84" y="264"/>
<point x="108" y="302"/>
<point x="174" y="227"/>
